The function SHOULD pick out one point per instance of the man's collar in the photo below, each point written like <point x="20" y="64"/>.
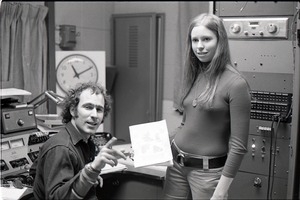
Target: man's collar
<point x="75" y="135"/>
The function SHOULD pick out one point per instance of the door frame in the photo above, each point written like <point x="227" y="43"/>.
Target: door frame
<point x="157" y="62"/>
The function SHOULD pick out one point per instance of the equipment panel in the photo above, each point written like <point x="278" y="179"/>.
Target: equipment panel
<point x="20" y="150"/>
<point x="257" y="28"/>
<point x="271" y="106"/>
<point x="262" y="49"/>
<point x="17" y="119"/>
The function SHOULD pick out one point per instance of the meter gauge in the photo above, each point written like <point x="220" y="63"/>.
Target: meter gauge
<point x="17" y="143"/>
<point x="5" y="146"/>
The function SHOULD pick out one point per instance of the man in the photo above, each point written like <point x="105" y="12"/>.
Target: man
<point x="67" y="167"/>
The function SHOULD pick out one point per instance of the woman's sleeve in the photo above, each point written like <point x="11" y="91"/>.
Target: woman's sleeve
<point x="240" y="107"/>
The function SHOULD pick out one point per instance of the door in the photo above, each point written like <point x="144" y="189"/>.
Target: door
<point x="137" y="93"/>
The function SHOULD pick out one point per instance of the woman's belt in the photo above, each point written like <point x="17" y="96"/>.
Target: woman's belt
<point x="188" y="160"/>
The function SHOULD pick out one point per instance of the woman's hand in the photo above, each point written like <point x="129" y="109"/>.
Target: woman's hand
<point x="221" y="191"/>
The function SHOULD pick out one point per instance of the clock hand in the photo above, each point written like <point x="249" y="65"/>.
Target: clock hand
<point x="76" y="74"/>
<point x="84" y="71"/>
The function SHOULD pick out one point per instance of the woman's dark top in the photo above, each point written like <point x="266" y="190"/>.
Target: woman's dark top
<point x="207" y="131"/>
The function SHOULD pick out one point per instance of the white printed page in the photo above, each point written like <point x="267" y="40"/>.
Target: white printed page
<point x="150" y="144"/>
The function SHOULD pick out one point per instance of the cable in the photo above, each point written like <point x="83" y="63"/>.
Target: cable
<point x="275" y="137"/>
<point x="289" y="114"/>
<point x="272" y="158"/>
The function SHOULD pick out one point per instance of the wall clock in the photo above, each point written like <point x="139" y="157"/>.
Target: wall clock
<point x="78" y="66"/>
<point x="74" y="69"/>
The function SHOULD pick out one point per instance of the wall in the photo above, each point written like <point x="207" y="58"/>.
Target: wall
<point x="92" y="21"/>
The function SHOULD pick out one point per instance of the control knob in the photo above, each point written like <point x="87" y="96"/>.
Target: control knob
<point x="272" y="28"/>
<point x="235" y="28"/>
<point x="20" y="122"/>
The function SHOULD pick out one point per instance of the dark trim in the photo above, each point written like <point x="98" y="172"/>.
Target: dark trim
<point x="51" y="82"/>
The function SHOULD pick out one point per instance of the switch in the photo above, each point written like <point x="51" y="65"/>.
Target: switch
<point x="277" y="150"/>
<point x="253" y="149"/>
<point x="263" y="151"/>
<point x="261" y="33"/>
<point x="30" y="112"/>
<point x="257" y="182"/>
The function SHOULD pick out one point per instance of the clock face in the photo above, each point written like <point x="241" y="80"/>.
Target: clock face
<point x="74" y="69"/>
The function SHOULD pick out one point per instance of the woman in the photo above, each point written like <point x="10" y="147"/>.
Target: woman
<point x="209" y="146"/>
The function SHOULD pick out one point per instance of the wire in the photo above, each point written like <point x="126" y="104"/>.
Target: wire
<point x="275" y="144"/>
<point x="290" y="112"/>
<point x="270" y="163"/>
<point x="272" y="158"/>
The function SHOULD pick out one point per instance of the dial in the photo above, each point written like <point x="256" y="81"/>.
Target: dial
<point x="272" y="28"/>
<point x="74" y="69"/>
<point x="17" y="143"/>
<point x="235" y="28"/>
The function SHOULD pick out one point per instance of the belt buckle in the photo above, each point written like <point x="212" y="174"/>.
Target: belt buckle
<point x="180" y="159"/>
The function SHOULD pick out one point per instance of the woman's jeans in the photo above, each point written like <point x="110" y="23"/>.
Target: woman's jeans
<point x="190" y="183"/>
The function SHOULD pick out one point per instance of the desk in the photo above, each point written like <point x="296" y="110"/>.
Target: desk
<point x="14" y="193"/>
<point x="133" y="183"/>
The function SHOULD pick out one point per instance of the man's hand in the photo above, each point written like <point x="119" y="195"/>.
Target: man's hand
<point x="107" y="155"/>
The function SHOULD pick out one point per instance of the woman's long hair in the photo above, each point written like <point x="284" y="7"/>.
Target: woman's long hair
<point x="218" y="64"/>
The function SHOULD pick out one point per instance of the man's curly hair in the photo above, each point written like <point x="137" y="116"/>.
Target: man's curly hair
<point x="73" y="97"/>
